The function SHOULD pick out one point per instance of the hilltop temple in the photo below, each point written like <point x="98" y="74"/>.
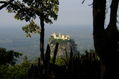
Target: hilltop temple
<point x="60" y="36"/>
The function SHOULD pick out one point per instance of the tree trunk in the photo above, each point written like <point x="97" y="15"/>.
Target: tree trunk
<point x="42" y="40"/>
<point x="98" y="27"/>
<point x="106" y="40"/>
<point x="112" y="35"/>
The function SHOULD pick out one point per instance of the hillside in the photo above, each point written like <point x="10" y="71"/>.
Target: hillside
<point x="14" y="39"/>
<point x="65" y="45"/>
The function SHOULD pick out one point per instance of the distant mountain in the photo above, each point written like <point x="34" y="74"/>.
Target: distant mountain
<point x="14" y="38"/>
<point x="65" y="44"/>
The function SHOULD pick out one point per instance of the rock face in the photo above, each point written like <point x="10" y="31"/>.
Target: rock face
<point x="65" y="45"/>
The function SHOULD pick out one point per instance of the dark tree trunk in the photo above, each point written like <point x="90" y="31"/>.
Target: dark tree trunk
<point x="106" y="40"/>
<point x="112" y="37"/>
<point x="55" y="53"/>
<point x="42" y="39"/>
<point x="98" y="27"/>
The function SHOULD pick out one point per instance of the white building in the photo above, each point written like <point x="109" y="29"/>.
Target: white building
<point x="60" y="36"/>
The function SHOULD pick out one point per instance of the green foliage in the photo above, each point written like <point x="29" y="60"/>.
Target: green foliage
<point x="60" y="61"/>
<point x="25" y="63"/>
<point x="18" y="71"/>
<point x="28" y="10"/>
<point x="8" y="57"/>
<point x="52" y="40"/>
<point x="91" y="55"/>
<point x="73" y="67"/>
<point x="31" y="28"/>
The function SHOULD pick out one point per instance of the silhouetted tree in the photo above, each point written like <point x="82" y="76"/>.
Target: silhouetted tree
<point x="106" y="39"/>
<point x="4" y="4"/>
<point x="8" y="57"/>
<point x="28" y="10"/>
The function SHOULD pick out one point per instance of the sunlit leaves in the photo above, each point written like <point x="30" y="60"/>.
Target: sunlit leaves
<point x="28" y="10"/>
<point x="31" y="28"/>
<point x="55" y="9"/>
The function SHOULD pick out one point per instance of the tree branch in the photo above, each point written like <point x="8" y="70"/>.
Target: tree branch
<point x="5" y="3"/>
<point x="83" y="1"/>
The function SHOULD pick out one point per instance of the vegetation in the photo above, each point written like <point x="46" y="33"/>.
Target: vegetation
<point x="8" y="67"/>
<point x="28" y="10"/>
<point x="88" y="66"/>
<point x="72" y="67"/>
<point x="18" y="71"/>
<point x="57" y="40"/>
<point x="8" y="57"/>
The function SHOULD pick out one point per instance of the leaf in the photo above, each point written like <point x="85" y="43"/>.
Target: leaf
<point x="31" y="28"/>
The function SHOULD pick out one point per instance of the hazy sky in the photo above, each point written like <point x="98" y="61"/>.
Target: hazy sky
<point x="71" y="12"/>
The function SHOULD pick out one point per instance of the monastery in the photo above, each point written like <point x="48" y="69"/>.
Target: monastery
<point x="60" y="36"/>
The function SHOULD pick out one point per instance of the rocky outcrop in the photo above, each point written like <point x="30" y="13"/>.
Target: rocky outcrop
<point x="64" y="47"/>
